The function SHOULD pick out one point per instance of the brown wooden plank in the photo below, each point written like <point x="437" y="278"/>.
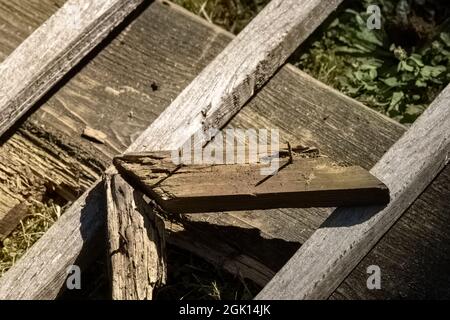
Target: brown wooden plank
<point x="177" y="46"/>
<point x="336" y="248"/>
<point x="52" y="50"/>
<point x="300" y="182"/>
<point x="136" y="242"/>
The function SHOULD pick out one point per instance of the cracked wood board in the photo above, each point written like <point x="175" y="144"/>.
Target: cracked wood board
<point x="36" y="164"/>
<point x="300" y="182"/>
<point x="137" y="257"/>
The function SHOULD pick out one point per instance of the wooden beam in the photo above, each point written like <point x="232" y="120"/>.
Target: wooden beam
<point x="337" y="247"/>
<point x="236" y="72"/>
<point x="136" y="242"/>
<point x="300" y="182"/>
<point x="52" y="50"/>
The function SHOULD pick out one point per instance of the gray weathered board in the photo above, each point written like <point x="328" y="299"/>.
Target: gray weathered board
<point x="337" y="247"/>
<point x="178" y="45"/>
<point x="413" y="256"/>
<point x="298" y="182"/>
<point x="52" y="50"/>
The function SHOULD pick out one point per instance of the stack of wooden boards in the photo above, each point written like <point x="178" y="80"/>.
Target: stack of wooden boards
<point x="357" y="135"/>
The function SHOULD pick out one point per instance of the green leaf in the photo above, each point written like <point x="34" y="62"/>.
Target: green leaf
<point x="391" y="82"/>
<point x="404" y="66"/>
<point x="432" y="72"/>
<point x="417" y="59"/>
<point x="420" y="83"/>
<point x="397" y="97"/>
<point x="360" y="20"/>
<point x="408" y="76"/>
<point x="412" y="112"/>
<point x="358" y="75"/>
<point x="414" y="109"/>
<point x="334" y="23"/>
<point x="373" y="74"/>
<point x="445" y="37"/>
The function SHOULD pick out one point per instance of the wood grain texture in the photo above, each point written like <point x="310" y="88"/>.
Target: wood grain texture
<point x="52" y="50"/>
<point x="254" y="244"/>
<point x="300" y="182"/>
<point x="414" y="256"/>
<point x="233" y="77"/>
<point x="336" y="248"/>
<point x="136" y="242"/>
<point x="20" y="18"/>
<point x="36" y="165"/>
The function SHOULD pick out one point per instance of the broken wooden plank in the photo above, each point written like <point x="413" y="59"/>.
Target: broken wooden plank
<point x="300" y="182"/>
<point x="52" y="50"/>
<point x="291" y="91"/>
<point x="137" y="258"/>
<point x="34" y="164"/>
<point x="337" y="247"/>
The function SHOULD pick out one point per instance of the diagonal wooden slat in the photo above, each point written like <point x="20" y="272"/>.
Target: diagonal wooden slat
<point x="335" y="249"/>
<point x="52" y="50"/>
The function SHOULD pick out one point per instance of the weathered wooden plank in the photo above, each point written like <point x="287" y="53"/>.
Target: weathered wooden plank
<point x="52" y="50"/>
<point x="334" y="250"/>
<point x="20" y="18"/>
<point x="414" y="256"/>
<point x="299" y="182"/>
<point x="253" y="73"/>
<point x="136" y="242"/>
<point x="178" y="45"/>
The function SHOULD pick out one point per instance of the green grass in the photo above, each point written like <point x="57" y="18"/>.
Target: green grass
<point x="231" y="15"/>
<point x="398" y="70"/>
<point x="192" y="278"/>
<point x="42" y="216"/>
